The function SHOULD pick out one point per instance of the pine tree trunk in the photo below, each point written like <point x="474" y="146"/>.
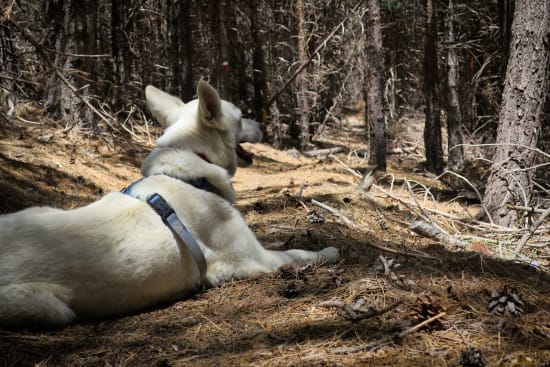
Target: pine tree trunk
<point x="73" y="33"/>
<point x="432" y="128"/>
<point x="525" y="92"/>
<point x="454" y="116"/>
<point x="301" y="82"/>
<point x="221" y="67"/>
<point x="180" y="78"/>
<point x="238" y="67"/>
<point x="186" y="37"/>
<point x="258" y="66"/>
<point x="374" y="101"/>
<point x="506" y="17"/>
<point x="8" y="62"/>
<point x="120" y="52"/>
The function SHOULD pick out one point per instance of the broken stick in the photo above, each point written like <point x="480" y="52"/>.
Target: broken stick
<point x="431" y="231"/>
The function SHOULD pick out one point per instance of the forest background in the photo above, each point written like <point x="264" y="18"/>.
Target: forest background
<point x="297" y="67"/>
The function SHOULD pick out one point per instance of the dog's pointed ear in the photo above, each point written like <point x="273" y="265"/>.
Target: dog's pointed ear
<point x="210" y="104"/>
<point x="163" y="106"/>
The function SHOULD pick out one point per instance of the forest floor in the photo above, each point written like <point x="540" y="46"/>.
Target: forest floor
<point x="397" y="278"/>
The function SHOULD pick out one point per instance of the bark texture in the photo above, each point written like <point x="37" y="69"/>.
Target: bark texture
<point x="180" y="78"/>
<point x="259" y="72"/>
<point x="301" y="82"/>
<point x="221" y="67"/>
<point x="7" y="50"/>
<point x="525" y="92"/>
<point x="374" y="101"/>
<point x="120" y="51"/>
<point x="505" y="17"/>
<point x="73" y="36"/>
<point x="432" y="128"/>
<point x="454" y="115"/>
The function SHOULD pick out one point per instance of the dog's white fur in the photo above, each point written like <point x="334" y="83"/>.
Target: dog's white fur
<point x="116" y="256"/>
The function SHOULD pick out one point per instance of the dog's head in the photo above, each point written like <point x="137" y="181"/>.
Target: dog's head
<point x="208" y="126"/>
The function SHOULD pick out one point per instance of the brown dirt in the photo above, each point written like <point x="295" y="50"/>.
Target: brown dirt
<point x="277" y="319"/>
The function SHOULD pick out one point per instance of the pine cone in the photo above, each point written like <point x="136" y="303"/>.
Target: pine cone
<point x="472" y="357"/>
<point x="293" y="289"/>
<point x="505" y="300"/>
<point x="425" y="308"/>
<point x="293" y="271"/>
<point x="314" y="217"/>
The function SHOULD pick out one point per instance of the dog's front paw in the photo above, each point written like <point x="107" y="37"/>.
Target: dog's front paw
<point x="329" y="255"/>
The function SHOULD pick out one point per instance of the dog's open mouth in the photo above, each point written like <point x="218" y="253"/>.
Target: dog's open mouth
<point x="245" y="157"/>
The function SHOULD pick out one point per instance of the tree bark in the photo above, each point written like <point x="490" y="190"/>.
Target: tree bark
<point x="374" y="101"/>
<point x="221" y="68"/>
<point x="120" y="52"/>
<point x="180" y="78"/>
<point x="432" y="128"/>
<point x="259" y="72"/>
<point x="454" y="115"/>
<point x="8" y="61"/>
<point x="525" y="92"/>
<point x="301" y="81"/>
<point x="74" y="36"/>
<point x="505" y="17"/>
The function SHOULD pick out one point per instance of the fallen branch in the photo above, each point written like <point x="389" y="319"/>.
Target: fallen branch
<point x="327" y="151"/>
<point x="348" y="168"/>
<point x="356" y="311"/>
<point x="372" y="346"/>
<point x="352" y="225"/>
<point x="431" y="231"/>
<point x="493" y="227"/>
<point x="532" y="230"/>
<point x="367" y="347"/>
<point x="528" y="209"/>
<point x="424" y="214"/>
<point x="331" y="210"/>
<point x="401" y="150"/>
<point x="480" y="198"/>
<point x="421" y="325"/>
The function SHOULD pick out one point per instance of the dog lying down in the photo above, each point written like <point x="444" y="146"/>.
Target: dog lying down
<point x="118" y="255"/>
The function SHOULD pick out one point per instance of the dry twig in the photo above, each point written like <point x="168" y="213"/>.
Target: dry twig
<point x="372" y="346"/>
<point x="421" y="325"/>
<point x="528" y="209"/>
<point x="348" y="168"/>
<point x="480" y="198"/>
<point x="532" y="230"/>
<point x="434" y="232"/>
<point x="337" y="213"/>
<point x="356" y="311"/>
<point x="327" y="151"/>
<point x="352" y="225"/>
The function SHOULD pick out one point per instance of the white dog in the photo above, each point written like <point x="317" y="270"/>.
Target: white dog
<point x="117" y="255"/>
